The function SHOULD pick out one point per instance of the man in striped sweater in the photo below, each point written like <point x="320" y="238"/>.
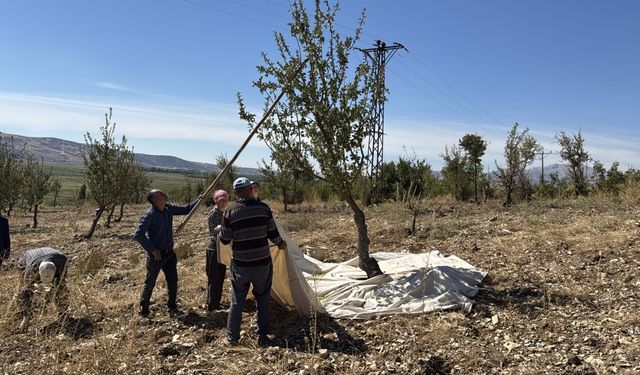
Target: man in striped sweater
<point x="249" y="224"/>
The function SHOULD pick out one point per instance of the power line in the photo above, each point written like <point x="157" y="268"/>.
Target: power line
<point x="448" y="107"/>
<point x="233" y="14"/>
<point x="442" y="91"/>
<point x="458" y="91"/>
<point x="258" y="9"/>
<point x="278" y="3"/>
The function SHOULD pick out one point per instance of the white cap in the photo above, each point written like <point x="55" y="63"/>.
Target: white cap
<point x="47" y="271"/>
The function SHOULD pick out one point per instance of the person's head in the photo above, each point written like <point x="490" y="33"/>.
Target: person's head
<point x="47" y="271"/>
<point x="255" y="189"/>
<point x="157" y="198"/>
<point x="242" y="187"/>
<point x="220" y="198"/>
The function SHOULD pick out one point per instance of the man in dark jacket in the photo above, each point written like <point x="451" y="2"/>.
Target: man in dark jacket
<point x="46" y="265"/>
<point x="155" y="234"/>
<point x="249" y="224"/>
<point x="5" y="240"/>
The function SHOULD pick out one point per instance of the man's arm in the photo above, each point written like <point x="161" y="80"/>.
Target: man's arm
<point x="226" y="233"/>
<point x="182" y="210"/>
<point x="272" y="230"/>
<point x="141" y="233"/>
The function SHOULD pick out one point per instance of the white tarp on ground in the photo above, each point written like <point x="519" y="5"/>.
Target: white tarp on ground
<point x="411" y="284"/>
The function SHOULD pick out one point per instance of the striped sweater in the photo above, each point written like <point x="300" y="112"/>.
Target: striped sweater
<point x="249" y="223"/>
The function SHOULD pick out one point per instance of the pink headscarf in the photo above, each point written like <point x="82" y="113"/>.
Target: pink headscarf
<point x="220" y="194"/>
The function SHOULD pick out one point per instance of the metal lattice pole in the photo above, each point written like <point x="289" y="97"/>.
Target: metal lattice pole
<point x="379" y="56"/>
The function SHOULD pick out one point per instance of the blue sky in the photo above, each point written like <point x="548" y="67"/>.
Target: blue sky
<point x="171" y="68"/>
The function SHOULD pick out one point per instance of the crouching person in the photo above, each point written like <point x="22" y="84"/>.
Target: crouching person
<point x="45" y="265"/>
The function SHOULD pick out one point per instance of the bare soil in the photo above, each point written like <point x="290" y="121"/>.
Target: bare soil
<point x="562" y="297"/>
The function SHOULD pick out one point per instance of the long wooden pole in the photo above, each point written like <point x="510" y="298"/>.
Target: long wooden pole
<point x="233" y="159"/>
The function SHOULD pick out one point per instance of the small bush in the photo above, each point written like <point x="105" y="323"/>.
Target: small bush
<point x="184" y="250"/>
<point x="630" y="193"/>
<point x="91" y="262"/>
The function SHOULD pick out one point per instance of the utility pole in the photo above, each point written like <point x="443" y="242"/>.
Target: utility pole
<point x="542" y="154"/>
<point x="379" y="56"/>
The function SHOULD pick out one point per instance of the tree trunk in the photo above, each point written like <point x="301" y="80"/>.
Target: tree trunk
<point x="121" y="213"/>
<point x="108" y="224"/>
<point x="367" y="264"/>
<point x="35" y="216"/>
<point x="509" y="201"/>
<point x="284" y="198"/>
<point x="99" y="212"/>
<point x="413" y="223"/>
<point x="475" y="181"/>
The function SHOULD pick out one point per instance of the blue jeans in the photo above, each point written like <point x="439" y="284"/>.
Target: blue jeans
<point x="241" y="278"/>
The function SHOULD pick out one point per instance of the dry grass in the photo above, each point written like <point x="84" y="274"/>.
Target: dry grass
<point x="563" y="284"/>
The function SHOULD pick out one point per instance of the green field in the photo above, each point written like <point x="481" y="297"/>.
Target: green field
<point x="71" y="177"/>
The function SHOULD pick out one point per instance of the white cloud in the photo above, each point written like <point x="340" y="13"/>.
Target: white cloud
<point x="217" y="124"/>
<point x="186" y="120"/>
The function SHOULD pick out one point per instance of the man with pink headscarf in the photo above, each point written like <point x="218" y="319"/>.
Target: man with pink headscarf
<point x="215" y="270"/>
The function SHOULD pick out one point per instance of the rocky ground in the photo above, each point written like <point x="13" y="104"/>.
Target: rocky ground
<point x="562" y="297"/>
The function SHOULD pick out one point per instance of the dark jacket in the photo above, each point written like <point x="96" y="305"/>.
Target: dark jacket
<point x="31" y="259"/>
<point x="155" y="231"/>
<point x="249" y="223"/>
<point x="5" y="241"/>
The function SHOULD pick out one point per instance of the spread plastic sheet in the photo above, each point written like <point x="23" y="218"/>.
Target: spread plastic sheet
<point x="411" y="283"/>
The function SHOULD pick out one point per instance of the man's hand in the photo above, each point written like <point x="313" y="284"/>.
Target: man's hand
<point x="156" y="255"/>
<point x="283" y="246"/>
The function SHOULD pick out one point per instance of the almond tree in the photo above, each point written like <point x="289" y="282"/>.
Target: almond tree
<point x="454" y="171"/>
<point x="519" y="152"/>
<point x="138" y="184"/>
<point x="36" y="185"/>
<point x="11" y="167"/>
<point x="56" y="186"/>
<point x="102" y="158"/>
<point x="322" y="121"/>
<point x="474" y="147"/>
<point x="572" y="151"/>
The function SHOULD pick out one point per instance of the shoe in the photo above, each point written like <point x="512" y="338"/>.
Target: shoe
<point x="231" y="342"/>
<point x="144" y="312"/>
<point x="263" y="341"/>
<point x="175" y="313"/>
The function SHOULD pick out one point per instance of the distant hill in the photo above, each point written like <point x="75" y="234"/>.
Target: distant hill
<point x="60" y="151"/>
<point x="561" y="169"/>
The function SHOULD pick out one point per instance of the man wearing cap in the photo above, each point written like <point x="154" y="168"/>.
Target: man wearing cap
<point x="215" y="270"/>
<point x="155" y="234"/>
<point x="46" y="265"/>
<point x="249" y="224"/>
<point x="5" y="240"/>
<point x="255" y="190"/>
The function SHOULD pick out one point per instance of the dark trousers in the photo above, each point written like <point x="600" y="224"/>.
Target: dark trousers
<point x="215" y="280"/>
<point x="4" y="254"/>
<point x="169" y="266"/>
<point x="260" y="277"/>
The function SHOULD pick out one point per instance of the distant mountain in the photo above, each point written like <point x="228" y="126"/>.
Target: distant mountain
<point x="561" y="169"/>
<point x="60" y="151"/>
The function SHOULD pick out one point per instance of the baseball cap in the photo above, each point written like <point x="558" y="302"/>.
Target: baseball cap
<point x="47" y="270"/>
<point x="241" y="182"/>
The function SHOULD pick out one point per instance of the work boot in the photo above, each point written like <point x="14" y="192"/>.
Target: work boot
<point x="263" y="341"/>
<point x="144" y="312"/>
